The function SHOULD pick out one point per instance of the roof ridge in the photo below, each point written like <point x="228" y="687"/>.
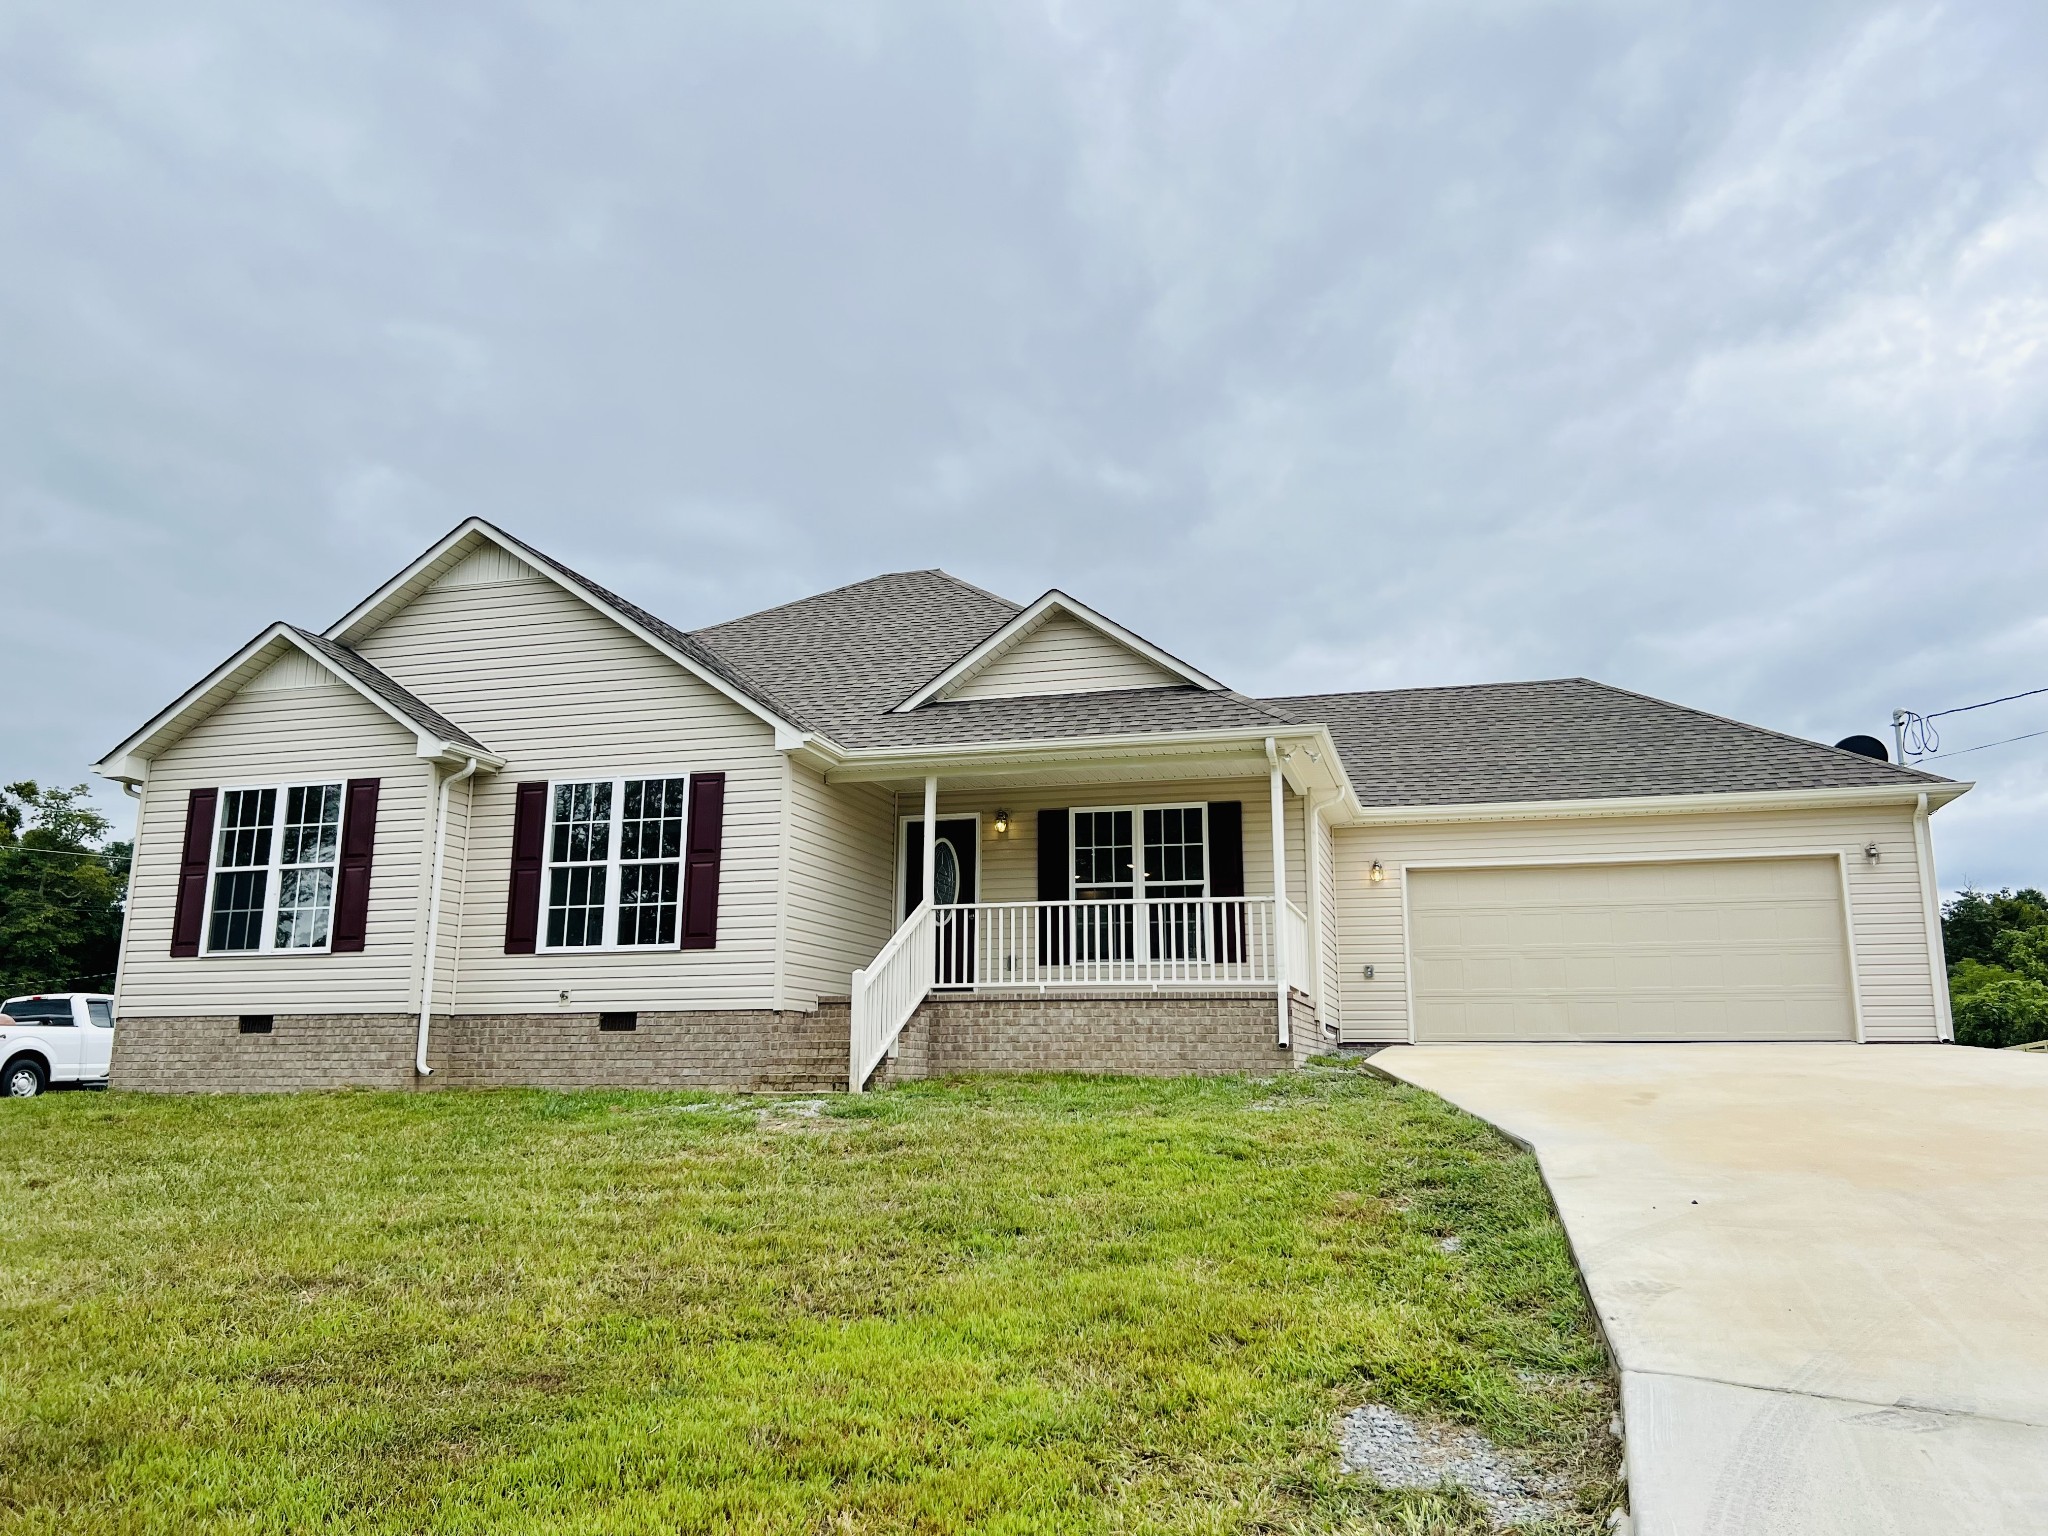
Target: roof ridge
<point x="1377" y="693"/>
<point x="848" y="586"/>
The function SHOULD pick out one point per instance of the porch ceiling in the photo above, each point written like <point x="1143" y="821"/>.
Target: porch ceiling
<point x="1309" y="761"/>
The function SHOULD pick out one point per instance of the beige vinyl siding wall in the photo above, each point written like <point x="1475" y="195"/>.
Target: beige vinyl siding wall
<point x="560" y="690"/>
<point x="1062" y="655"/>
<point x="1009" y="865"/>
<point x="1894" y="970"/>
<point x="841" y="861"/>
<point x="448" y="942"/>
<point x="1331" y="956"/>
<point x="281" y="736"/>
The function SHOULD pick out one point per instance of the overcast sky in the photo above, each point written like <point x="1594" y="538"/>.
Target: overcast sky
<point x="1702" y="350"/>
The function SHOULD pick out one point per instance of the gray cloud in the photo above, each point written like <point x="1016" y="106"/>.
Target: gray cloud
<point x="1703" y="351"/>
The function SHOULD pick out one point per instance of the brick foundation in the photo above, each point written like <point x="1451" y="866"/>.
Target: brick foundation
<point x="303" y="1050"/>
<point x="1148" y="1035"/>
<point x="749" y="1051"/>
<point x="754" y="1050"/>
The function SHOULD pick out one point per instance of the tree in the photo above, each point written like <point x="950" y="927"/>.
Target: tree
<point x="62" y="890"/>
<point x="1997" y="947"/>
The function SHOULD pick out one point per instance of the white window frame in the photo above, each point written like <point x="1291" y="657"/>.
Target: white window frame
<point x="273" y="870"/>
<point x="1139" y="884"/>
<point x="612" y="866"/>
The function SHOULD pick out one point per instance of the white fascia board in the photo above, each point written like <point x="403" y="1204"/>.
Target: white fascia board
<point x="395" y="593"/>
<point x="128" y="763"/>
<point x="1905" y="795"/>
<point x="869" y="765"/>
<point x="1027" y="621"/>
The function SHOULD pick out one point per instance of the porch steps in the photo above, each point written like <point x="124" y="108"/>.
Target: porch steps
<point x="811" y="1051"/>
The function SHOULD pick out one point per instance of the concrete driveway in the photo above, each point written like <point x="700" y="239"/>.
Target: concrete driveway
<point x="1823" y="1270"/>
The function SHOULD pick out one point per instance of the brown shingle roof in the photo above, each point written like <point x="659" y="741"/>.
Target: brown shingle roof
<point x="838" y="663"/>
<point x="1565" y="739"/>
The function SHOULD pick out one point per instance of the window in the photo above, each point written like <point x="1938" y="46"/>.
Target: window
<point x="1169" y="868"/>
<point x="273" y="868"/>
<point x="40" y="1010"/>
<point x="100" y="1013"/>
<point x="1175" y="853"/>
<point x="615" y="863"/>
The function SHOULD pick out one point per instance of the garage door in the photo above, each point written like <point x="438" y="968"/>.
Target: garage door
<point x="1723" y="949"/>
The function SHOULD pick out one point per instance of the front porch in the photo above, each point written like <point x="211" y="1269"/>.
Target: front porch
<point x="1060" y="920"/>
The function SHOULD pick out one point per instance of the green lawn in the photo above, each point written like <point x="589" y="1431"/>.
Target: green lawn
<point x="988" y="1305"/>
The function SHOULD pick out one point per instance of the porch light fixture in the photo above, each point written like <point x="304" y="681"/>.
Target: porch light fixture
<point x="1002" y="823"/>
<point x="1378" y="874"/>
<point x="1871" y="852"/>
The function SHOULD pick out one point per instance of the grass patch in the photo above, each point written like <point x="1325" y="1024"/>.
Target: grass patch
<point x="989" y="1305"/>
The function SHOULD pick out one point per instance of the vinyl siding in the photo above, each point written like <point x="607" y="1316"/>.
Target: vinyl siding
<point x="281" y="736"/>
<point x="560" y="690"/>
<point x="841" y="862"/>
<point x="1062" y="655"/>
<point x="1894" y="972"/>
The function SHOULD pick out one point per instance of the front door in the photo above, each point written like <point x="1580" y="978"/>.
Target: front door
<point x="956" y="873"/>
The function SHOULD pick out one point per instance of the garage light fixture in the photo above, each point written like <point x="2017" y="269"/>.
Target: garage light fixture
<point x="1378" y="874"/>
<point x="1871" y="852"/>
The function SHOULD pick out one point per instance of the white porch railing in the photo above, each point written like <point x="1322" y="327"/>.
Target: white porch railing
<point x="887" y="993"/>
<point x="1205" y="941"/>
<point x="994" y="946"/>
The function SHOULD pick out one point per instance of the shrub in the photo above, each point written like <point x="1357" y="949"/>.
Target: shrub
<point x="2009" y="1011"/>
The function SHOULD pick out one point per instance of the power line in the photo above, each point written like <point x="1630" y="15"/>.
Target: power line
<point x="1987" y="746"/>
<point x="52" y="853"/>
<point x="1963" y="709"/>
<point x="1917" y="738"/>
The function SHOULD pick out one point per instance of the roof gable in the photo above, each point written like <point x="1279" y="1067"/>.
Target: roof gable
<point x="286" y="657"/>
<point x="475" y="554"/>
<point x="1058" y="646"/>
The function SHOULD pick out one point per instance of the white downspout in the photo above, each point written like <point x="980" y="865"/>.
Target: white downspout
<point x="1278" y="818"/>
<point x="419" y="1060"/>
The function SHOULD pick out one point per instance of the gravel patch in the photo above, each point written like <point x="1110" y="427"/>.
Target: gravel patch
<point x="1399" y="1452"/>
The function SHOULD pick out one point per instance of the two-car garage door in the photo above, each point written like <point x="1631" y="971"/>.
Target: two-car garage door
<point x="1714" y="949"/>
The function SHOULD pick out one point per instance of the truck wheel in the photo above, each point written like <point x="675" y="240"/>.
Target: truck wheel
<point x="23" y="1079"/>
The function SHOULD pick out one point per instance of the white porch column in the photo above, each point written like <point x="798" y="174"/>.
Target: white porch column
<point x="1312" y="852"/>
<point x="1279" y="821"/>
<point x="931" y="837"/>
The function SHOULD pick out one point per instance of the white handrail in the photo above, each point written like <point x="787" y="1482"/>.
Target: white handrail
<point x="1192" y="941"/>
<point x="887" y="993"/>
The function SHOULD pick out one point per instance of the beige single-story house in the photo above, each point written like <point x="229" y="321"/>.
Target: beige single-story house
<point x="499" y="825"/>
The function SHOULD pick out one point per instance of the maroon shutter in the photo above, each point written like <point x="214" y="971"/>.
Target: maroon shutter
<point x="1055" y="883"/>
<point x="192" y="866"/>
<point x="1226" y="875"/>
<point x="352" y="882"/>
<point x="529" y="843"/>
<point x="702" y="854"/>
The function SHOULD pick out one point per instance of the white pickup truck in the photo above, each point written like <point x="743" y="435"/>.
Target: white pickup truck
<point x="55" y="1037"/>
